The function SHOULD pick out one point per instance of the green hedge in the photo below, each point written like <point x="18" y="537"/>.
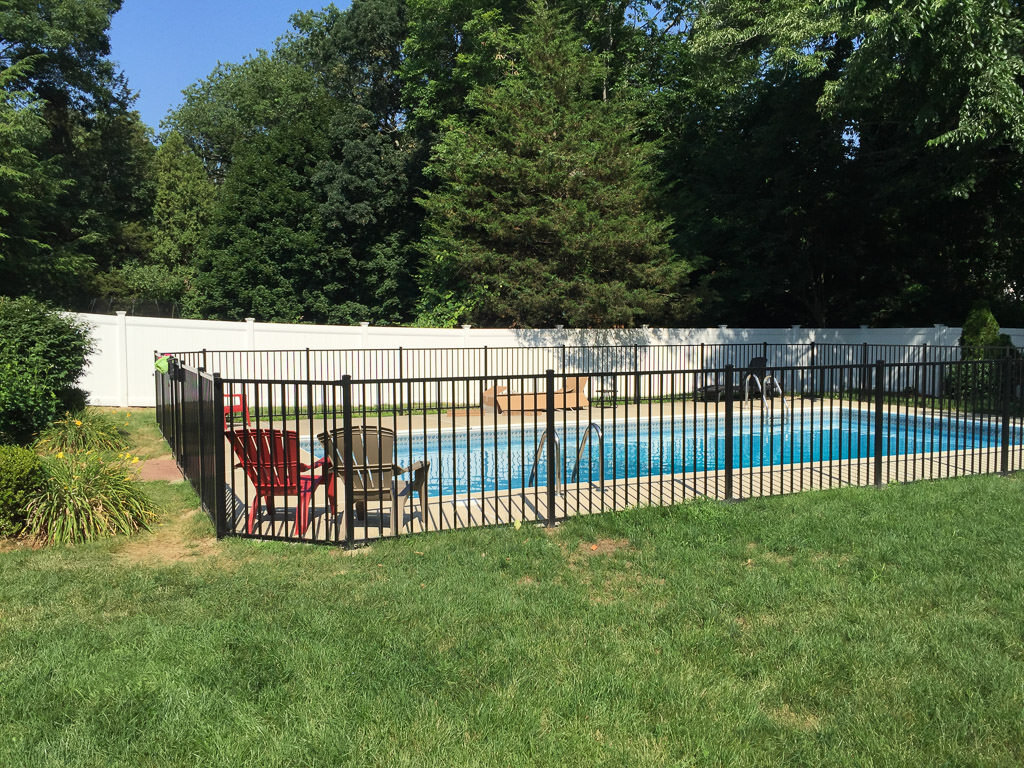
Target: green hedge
<point x="42" y="356"/>
<point x="21" y="477"/>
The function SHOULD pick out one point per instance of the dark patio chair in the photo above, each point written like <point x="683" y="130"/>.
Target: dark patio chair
<point x="749" y="386"/>
<point x="375" y="476"/>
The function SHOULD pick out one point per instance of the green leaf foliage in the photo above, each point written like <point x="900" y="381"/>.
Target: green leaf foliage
<point x="87" y="496"/>
<point x="42" y="356"/>
<point x="75" y="192"/>
<point x="850" y="162"/>
<point x="311" y="218"/>
<point x="21" y="476"/>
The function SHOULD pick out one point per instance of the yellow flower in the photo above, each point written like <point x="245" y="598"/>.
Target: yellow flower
<point x="128" y="415"/>
<point x="60" y="454"/>
<point x="135" y="460"/>
<point x="78" y="422"/>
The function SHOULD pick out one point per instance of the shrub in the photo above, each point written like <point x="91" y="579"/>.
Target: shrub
<point x="87" y="430"/>
<point x="981" y="339"/>
<point x="981" y="385"/>
<point x="27" y="403"/>
<point x="42" y="356"/>
<point x="21" y="477"/>
<point x="87" y="496"/>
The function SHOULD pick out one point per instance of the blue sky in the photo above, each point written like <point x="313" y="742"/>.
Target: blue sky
<point x="163" y="46"/>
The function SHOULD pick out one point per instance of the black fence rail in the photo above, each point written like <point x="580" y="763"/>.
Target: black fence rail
<point x="617" y="372"/>
<point x="350" y="460"/>
<point x="409" y="362"/>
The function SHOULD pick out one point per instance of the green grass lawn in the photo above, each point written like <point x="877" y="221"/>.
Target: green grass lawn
<point x="844" y="628"/>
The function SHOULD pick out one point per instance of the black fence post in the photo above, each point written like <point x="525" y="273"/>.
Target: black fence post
<point x="401" y="378"/>
<point x="201" y="480"/>
<point x="636" y="373"/>
<point x="553" y="458"/>
<point x="728" y="432"/>
<point x="865" y="375"/>
<point x="219" y="471"/>
<point x="346" y="423"/>
<point x="177" y="408"/>
<point x="1004" y="432"/>
<point x="879" y="420"/>
<point x="484" y="382"/>
<point x="309" y="386"/>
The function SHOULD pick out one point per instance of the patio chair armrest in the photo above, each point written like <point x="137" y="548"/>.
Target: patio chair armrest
<point x="321" y="462"/>
<point x="416" y="466"/>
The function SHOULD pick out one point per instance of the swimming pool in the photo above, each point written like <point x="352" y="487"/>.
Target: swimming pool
<point x="500" y="458"/>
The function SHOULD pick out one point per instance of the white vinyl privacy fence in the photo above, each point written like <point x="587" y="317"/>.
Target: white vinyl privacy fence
<point x="121" y="371"/>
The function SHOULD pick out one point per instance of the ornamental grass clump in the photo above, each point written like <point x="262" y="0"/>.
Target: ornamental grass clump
<point x="86" y="430"/>
<point x="87" y="496"/>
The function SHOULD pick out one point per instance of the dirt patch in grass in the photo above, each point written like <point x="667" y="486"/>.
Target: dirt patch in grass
<point x="9" y="545"/>
<point x="167" y="544"/>
<point x="354" y="552"/>
<point x="766" y="556"/>
<point x="801" y="721"/>
<point x="603" y="546"/>
<point x="160" y="468"/>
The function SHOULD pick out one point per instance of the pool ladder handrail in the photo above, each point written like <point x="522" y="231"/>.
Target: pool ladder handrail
<point x="593" y="426"/>
<point x="762" y="385"/>
<point x="558" y="460"/>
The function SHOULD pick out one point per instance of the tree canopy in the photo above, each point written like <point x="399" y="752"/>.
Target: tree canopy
<point x="526" y="163"/>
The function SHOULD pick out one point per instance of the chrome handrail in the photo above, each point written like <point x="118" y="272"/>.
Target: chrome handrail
<point x="593" y="426"/>
<point x="558" y="460"/>
<point x="746" y="386"/>
<point x="778" y="390"/>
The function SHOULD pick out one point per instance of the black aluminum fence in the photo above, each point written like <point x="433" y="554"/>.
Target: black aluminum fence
<point x="190" y="414"/>
<point x="410" y="363"/>
<point x="443" y="452"/>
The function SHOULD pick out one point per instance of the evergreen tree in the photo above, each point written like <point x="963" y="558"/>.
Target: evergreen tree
<point x="544" y="211"/>
<point x="78" y="200"/>
<point x="181" y="209"/>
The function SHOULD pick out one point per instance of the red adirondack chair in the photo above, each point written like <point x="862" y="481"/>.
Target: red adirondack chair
<point x="234" y="403"/>
<point x="271" y="461"/>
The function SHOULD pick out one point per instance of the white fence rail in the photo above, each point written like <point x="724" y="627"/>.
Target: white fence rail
<point x="121" y="371"/>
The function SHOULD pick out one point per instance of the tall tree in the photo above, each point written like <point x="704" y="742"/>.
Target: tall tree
<point x="311" y="218"/>
<point x="156" y="280"/>
<point x="544" y="213"/>
<point x="181" y="209"/>
<point x="896" y="125"/>
<point x="30" y="185"/>
<point x="92" y="150"/>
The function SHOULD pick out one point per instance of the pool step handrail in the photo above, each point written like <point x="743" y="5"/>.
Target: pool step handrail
<point x="592" y="427"/>
<point x="762" y="385"/>
<point x="558" y="461"/>
<point x="777" y="386"/>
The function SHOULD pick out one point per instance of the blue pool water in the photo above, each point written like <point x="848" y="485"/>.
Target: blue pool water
<point x="497" y="459"/>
